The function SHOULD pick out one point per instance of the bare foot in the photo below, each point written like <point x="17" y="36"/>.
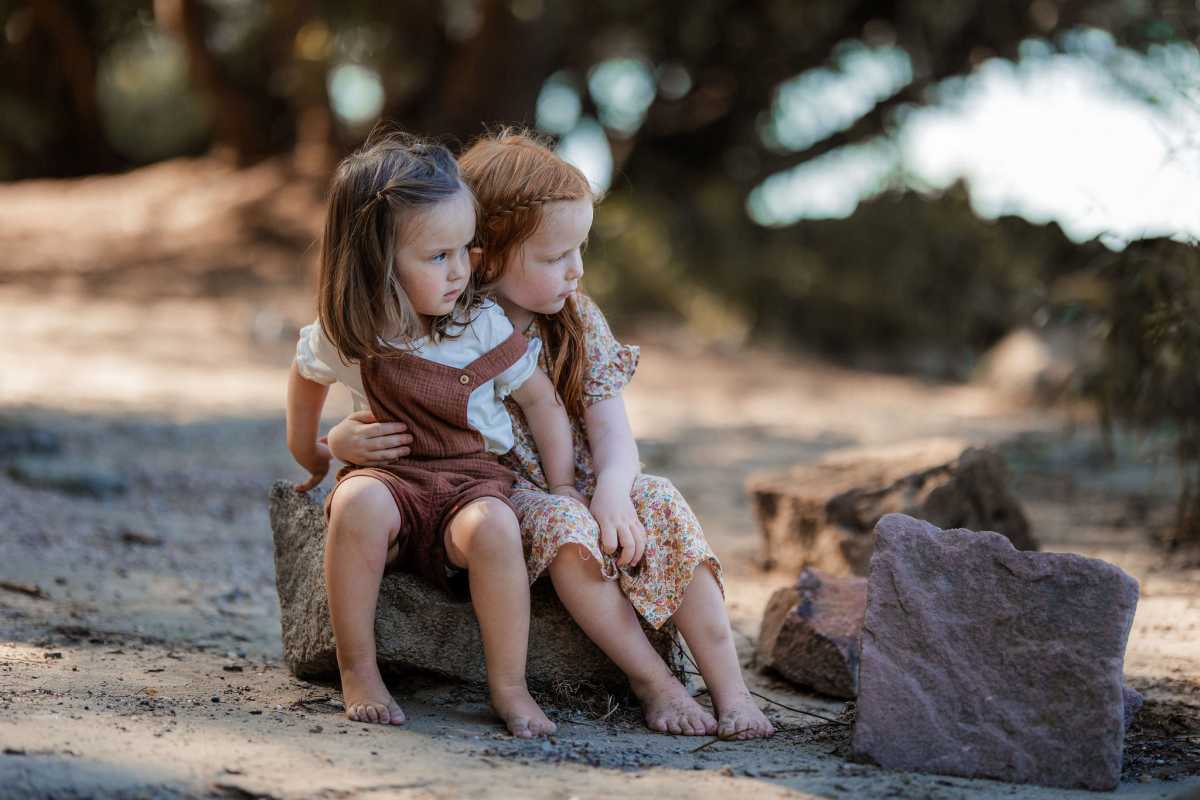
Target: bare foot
<point x="367" y="699"/>
<point x="668" y="708"/>
<point x="520" y="713"/>
<point x="523" y="717"/>
<point x="741" y="718"/>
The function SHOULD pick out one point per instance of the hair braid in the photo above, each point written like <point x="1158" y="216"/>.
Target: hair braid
<point x="527" y="205"/>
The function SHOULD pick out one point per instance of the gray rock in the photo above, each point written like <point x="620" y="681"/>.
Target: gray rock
<point x="17" y="437"/>
<point x="823" y="515"/>
<point x="67" y="478"/>
<point x="420" y="627"/>
<point x="811" y="632"/>
<point x="982" y="661"/>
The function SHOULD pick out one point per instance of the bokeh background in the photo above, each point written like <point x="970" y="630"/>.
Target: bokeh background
<point x="901" y="186"/>
<point x="834" y="227"/>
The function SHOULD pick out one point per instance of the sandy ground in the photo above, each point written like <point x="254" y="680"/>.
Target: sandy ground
<point x="139" y="633"/>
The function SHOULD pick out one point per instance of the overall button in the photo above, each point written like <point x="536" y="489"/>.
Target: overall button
<point x="464" y="379"/>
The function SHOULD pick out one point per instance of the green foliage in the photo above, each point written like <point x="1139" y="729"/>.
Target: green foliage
<point x="909" y="282"/>
<point x="1151" y="374"/>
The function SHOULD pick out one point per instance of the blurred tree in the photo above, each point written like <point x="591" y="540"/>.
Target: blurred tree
<point x="1149" y="298"/>
<point x="450" y="66"/>
<point x="237" y="123"/>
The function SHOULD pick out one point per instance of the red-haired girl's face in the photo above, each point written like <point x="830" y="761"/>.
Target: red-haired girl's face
<point x="546" y="269"/>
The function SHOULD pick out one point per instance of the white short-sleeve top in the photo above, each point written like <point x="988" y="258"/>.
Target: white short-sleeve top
<point x="318" y="360"/>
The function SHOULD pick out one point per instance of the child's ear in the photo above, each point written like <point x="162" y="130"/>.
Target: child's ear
<point x="476" y="256"/>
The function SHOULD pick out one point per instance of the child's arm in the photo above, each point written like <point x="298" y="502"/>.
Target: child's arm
<point x="551" y="430"/>
<point x="615" y="454"/>
<point x="305" y="399"/>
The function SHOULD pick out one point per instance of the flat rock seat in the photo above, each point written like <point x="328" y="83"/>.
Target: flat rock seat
<point x="417" y="626"/>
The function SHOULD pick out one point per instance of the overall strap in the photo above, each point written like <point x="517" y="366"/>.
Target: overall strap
<point x="498" y="359"/>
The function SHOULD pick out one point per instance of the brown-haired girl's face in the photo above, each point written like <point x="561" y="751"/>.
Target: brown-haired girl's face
<point x="432" y="260"/>
<point x="546" y="269"/>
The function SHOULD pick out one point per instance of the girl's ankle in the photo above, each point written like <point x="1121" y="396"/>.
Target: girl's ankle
<point x="503" y="686"/>
<point x="357" y="663"/>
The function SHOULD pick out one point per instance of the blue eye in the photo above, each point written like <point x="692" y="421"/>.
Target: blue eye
<point x="440" y="257"/>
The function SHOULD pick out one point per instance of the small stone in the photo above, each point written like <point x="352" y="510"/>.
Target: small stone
<point x="315" y="729"/>
<point x="130" y="536"/>
<point x="811" y="632"/>
<point x="215" y="699"/>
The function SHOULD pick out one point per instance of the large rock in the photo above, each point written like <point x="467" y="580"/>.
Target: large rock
<point x="982" y="661"/>
<point x="419" y="626"/>
<point x="823" y="515"/>
<point x="810" y="632"/>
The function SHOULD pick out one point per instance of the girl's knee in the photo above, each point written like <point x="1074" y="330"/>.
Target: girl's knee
<point x="656" y="485"/>
<point x="363" y="502"/>
<point x="485" y="528"/>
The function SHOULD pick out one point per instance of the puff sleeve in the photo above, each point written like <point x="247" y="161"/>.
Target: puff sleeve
<point x="498" y="328"/>
<point x="311" y="354"/>
<point x="610" y="364"/>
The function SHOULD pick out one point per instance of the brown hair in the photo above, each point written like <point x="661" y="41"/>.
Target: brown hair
<point x="513" y="174"/>
<point x="373" y="197"/>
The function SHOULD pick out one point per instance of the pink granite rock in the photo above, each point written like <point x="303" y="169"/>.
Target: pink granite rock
<point x="810" y="632"/>
<point x="979" y="660"/>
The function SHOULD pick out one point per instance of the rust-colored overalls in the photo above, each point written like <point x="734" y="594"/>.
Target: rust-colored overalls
<point x="448" y="465"/>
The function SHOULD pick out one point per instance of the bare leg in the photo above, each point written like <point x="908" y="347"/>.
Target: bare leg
<point x="704" y="623"/>
<point x="363" y="524"/>
<point x="609" y="620"/>
<point x="484" y="537"/>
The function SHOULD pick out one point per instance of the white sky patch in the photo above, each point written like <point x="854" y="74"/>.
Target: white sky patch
<point x="1055" y="140"/>
<point x="623" y="89"/>
<point x="356" y="93"/>
<point x="822" y="101"/>
<point x="558" y="104"/>
<point x="586" y="147"/>
<point x="828" y="187"/>
<point x="1054" y="137"/>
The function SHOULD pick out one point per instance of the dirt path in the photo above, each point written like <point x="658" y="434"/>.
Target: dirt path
<point x="139" y="633"/>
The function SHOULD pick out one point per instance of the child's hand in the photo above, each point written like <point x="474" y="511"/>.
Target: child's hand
<point x="619" y="525"/>
<point x="316" y="462"/>
<point x="567" y="490"/>
<point x="359" y="439"/>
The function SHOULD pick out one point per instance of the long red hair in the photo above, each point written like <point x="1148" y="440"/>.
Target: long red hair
<point x="514" y="174"/>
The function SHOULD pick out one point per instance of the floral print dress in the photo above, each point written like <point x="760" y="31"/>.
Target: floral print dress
<point x="675" y="543"/>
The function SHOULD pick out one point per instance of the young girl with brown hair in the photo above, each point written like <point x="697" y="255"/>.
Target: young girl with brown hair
<point x="640" y="550"/>
<point x="402" y="327"/>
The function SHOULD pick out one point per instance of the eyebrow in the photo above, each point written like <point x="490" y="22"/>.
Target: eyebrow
<point x="437" y="248"/>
